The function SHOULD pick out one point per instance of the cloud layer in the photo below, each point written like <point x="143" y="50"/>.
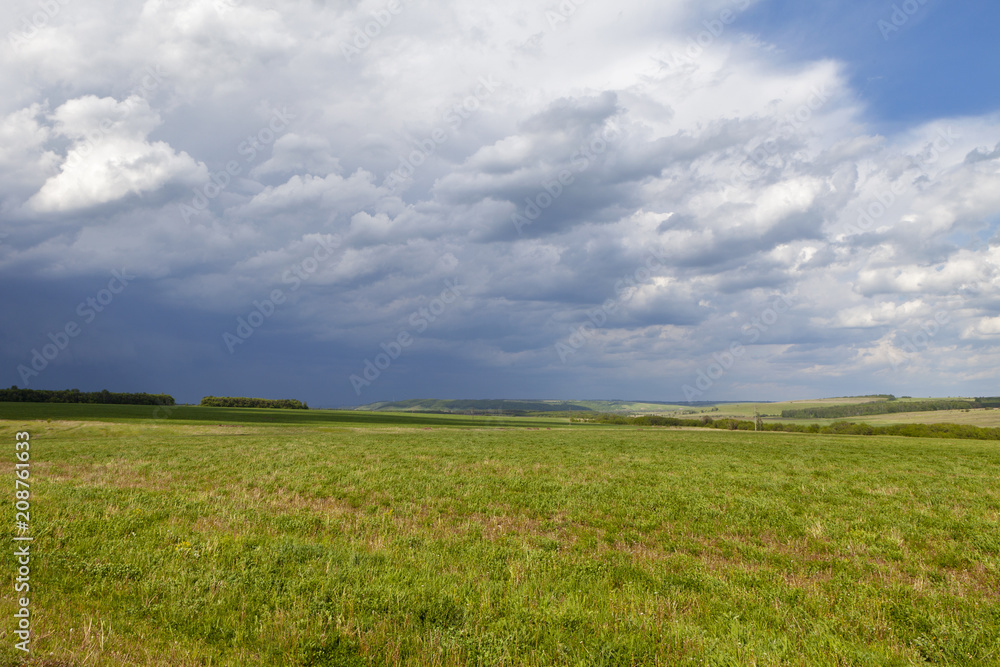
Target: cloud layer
<point x="621" y="193"/>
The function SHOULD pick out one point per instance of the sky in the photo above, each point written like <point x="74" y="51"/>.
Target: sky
<point x="350" y="202"/>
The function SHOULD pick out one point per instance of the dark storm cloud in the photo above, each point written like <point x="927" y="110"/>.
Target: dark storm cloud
<point x="226" y="153"/>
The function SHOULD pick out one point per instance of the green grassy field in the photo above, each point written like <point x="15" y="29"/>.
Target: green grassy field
<point x="482" y="406"/>
<point x="195" y="414"/>
<point x="746" y="410"/>
<point x="211" y="541"/>
<point x="987" y="417"/>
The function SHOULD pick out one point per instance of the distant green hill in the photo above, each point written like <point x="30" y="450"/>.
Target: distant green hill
<point x="879" y="408"/>
<point x="825" y="408"/>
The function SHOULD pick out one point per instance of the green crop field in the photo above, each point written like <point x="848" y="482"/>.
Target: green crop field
<point x="499" y="405"/>
<point x="746" y="410"/>
<point x="189" y="414"/>
<point x="269" y="537"/>
<point x="985" y="417"/>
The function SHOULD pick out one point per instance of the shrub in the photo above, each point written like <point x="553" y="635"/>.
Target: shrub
<point x="244" y="402"/>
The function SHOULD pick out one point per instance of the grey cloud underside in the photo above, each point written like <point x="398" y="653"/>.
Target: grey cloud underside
<point x="699" y="168"/>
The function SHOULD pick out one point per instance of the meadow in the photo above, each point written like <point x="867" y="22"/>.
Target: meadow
<point x="267" y="537"/>
<point x="771" y="412"/>
<point x="987" y="418"/>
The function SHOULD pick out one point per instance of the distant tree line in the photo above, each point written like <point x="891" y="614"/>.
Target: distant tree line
<point x="16" y="395"/>
<point x="244" y="402"/>
<point x="962" y="431"/>
<point x="988" y="402"/>
<point x="879" y="408"/>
